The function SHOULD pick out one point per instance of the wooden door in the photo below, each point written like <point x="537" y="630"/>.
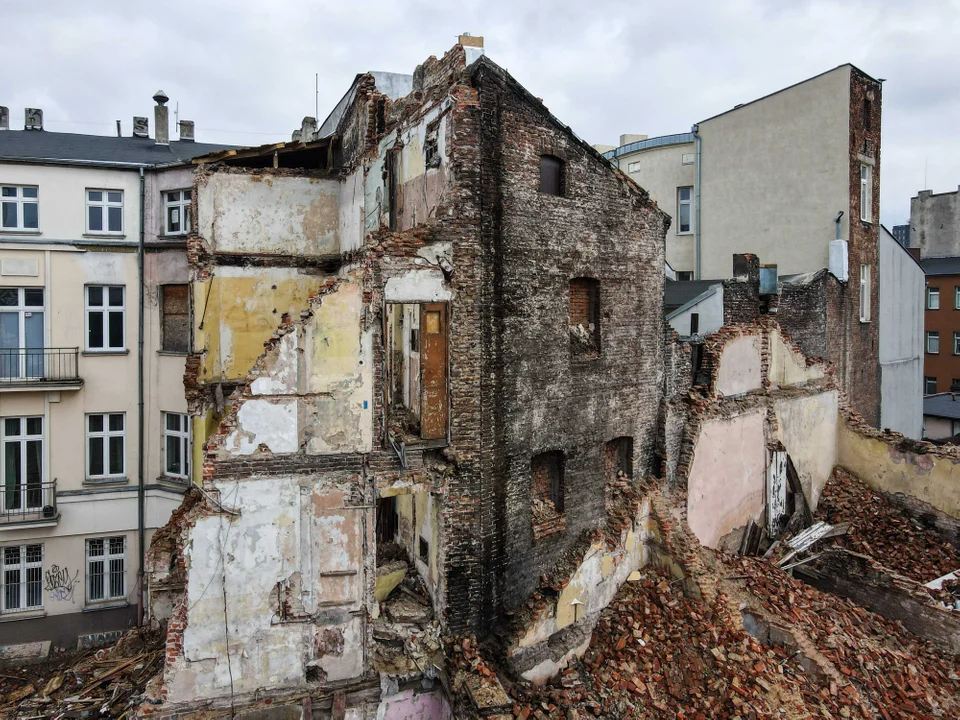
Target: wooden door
<point x="434" y="406"/>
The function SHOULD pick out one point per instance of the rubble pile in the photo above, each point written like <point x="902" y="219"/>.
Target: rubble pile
<point x="886" y="672"/>
<point x="107" y="683"/>
<point x="879" y="529"/>
<point x="658" y="654"/>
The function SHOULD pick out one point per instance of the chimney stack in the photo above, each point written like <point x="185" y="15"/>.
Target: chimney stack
<point x="141" y="127"/>
<point x="161" y="118"/>
<point x="4" y="118"/>
<point x="33" y="119"/>
<point x="186" y="131"/>
<point x="472" y="46"/>
<point x="628" y="138"/>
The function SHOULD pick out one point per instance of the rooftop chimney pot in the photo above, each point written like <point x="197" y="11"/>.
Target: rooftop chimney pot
<point x="33" y="119"/>
<point x="186" y="131"/>
<point x="161" y="117"/>
<point x="4" y="118"/>
<point x="141" y="127"/>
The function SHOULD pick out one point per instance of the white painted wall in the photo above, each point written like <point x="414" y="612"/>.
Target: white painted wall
<point x="901" y="290"/>
<point x="710" y="310"/>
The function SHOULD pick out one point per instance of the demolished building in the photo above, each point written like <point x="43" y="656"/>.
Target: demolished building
<point x="454" y="291"/>
<point x="434" y="400"/>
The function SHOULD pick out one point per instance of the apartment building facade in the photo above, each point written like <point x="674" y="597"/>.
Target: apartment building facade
<point x="941" y="362"/>
<point x="794" y="178"/>
<point x="935" y="223"/>
<point x="95" y="440"/>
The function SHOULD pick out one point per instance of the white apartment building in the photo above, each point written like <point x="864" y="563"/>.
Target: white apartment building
<point x="93" y="423"/>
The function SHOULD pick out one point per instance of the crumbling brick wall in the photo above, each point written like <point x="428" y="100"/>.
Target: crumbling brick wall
<point x="542" y="396"/>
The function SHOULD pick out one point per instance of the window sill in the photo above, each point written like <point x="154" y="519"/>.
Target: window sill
<point x="105" y="236"/>
<point x="106" y="481"/>
<point x="685" y="234"/>
<point x="172" y="480"/>
<point x="9" y="231"/>
<point x="178" y="237"/>
<point x="173" y="353"/>
<point x="14" y="615"/>
<point x="105" y="352"/>
<point x="105" y="605"/>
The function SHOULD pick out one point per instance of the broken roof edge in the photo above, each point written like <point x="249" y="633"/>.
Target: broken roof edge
<point x="484" y="62"/>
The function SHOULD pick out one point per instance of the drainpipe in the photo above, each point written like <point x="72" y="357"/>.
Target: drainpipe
<point x="696" y="229"/>
<point x="140" y="489"/>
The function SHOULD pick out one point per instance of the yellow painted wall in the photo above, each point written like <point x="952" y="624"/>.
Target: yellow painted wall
<point x="239" y="313"/>
<point x="934" y="480"/>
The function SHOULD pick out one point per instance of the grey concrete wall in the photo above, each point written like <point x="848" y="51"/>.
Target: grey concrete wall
<point x="774" y="173"/>
<point x="935" y="223"/>
<point x="901" y="338"/>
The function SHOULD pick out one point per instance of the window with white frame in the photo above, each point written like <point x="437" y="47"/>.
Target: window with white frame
<point x="176" y="212"/>
<point x="929" y="385"/>
<point x="933" y="298"/>
<point x="105" y="317"/>
<point x="106" y="568"/>
<point x="22" y="468"/>
<point x="956" y="298"/>
<point x="956" y="343"/>
<point x="866" y="192"/>
<point x="105" y="211"/>
<point x="19" y="207"/>
<point x="864" y="293"/>
<point x="176" y="445"/>
<point x="684" y="210"/>
<point x="933" y="342"/>
<point x="21" y="332"/>
<point x="106" y="445"/>
<point x="22" y="577"/>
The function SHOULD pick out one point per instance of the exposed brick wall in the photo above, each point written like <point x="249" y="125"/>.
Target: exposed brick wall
<point x="541" y="395"/>
<point x="858" y="362"/>
<point x="581" y="290"/>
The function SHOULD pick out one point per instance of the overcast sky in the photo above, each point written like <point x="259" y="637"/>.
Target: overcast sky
<point x="243" y="70"/>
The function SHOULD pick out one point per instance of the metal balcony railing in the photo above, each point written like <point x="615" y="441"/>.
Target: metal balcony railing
<point x="28" y="502"/>
<point x="38" y="366"/>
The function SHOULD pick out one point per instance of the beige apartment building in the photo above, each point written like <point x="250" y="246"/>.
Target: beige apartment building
<point x="93" y="420"/>
<point x="767" y="177"/>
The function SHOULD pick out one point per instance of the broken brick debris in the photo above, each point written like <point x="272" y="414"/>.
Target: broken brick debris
<point x="880" y="529"/>
<point x="107" y="683"/>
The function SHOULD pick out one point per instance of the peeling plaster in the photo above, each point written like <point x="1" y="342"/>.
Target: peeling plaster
<point x="268" y="422"/>
<point x="421" y="285"/>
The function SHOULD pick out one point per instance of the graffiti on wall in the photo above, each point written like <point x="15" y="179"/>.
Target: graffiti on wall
<point x="59" y="583"/>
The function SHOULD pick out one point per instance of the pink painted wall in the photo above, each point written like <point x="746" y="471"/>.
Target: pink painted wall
<point x="726" y="484"/>
<point x="410" y="706"/>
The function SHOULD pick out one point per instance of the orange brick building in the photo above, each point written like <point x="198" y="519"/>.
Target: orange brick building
<point x="941" y="364"/>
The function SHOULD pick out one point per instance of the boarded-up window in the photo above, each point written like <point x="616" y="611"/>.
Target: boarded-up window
<point x="619" y="458"/>
<point x="175" y="310"/>
<point x="551" y="175"/>
<point x="585" y="316"/>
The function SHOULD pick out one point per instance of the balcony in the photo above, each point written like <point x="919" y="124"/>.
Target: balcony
<point x="25" y="369"/>
<point x="33" y="504"/>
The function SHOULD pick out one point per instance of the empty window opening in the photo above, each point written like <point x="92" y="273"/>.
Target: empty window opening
<point x="866" y="113"/>
<point x="547" y="493"/>
<point x="392" y="190"/>
<point x="585" y="317"/>
<point x="416" y="338"/>
<point x="424" y="550"/>
<point x="387" y="520"/>
<point x="694" y="323"/>
<point x="930" y="385"/>
<point x="619" y="459"/>
<point x="552" y="175"/>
